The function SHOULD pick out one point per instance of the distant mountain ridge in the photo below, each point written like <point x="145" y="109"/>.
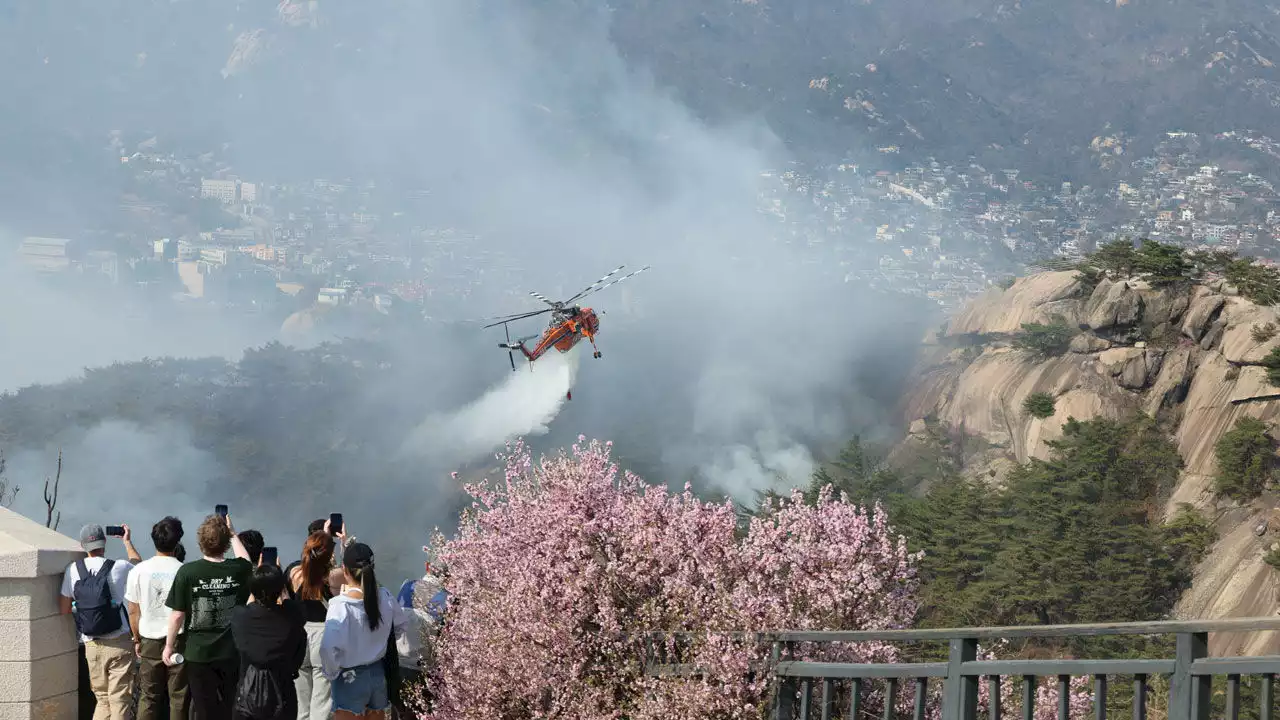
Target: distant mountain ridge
<point x="1023" y="84"/>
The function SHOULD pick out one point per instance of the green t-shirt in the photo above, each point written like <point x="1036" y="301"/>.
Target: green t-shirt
<point x="207" y="592"/>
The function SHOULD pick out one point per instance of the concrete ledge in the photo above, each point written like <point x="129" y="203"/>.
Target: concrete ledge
<point x="59" y="707"/>
<point x="37" y="639"/>
<point x="39" y="667"/>
<point x="49" y="677"/>
<point x="29" y="598"/>
<point x="31" y="550"/>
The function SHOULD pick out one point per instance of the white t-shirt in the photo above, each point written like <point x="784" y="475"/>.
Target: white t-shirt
<point x="119" y="579"/>
<point x="149" y="584"/>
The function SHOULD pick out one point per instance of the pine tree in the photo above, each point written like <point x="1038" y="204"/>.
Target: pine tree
<point x="1246" y="460"/>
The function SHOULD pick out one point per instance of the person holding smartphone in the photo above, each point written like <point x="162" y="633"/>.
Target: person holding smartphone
<point x="363" y="621"/>
<point x="93" y="592"/>
<point x="204" y="594"/>
<point x="308" y="582"/>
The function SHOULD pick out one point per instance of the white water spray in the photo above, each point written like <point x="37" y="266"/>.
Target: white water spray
<point x="522" y="404"/>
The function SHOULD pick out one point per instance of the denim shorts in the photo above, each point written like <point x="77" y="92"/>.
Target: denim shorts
<point x="358" y="690"/>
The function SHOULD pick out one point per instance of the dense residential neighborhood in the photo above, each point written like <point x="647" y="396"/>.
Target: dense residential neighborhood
<point x="192" y="227"/>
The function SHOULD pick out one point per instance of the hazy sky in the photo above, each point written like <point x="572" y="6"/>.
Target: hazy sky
<point x="529" y="129"/>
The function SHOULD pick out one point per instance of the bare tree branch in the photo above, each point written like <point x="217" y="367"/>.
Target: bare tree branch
<point x="7" y="492"/>
<point x="51" y="499"/>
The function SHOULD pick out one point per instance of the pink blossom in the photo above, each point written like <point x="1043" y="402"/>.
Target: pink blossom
<point x="558" y="571"/>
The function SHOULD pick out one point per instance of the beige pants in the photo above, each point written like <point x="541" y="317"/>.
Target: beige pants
<point x="315" y="696"/>
<point x="111" y="671"/>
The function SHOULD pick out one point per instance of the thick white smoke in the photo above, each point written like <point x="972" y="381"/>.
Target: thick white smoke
<point x="740" y="360"/>
<point x="524" y="403"/>
<point x="118" y="472"/>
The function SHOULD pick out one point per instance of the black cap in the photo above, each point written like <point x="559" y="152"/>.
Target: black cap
<point x="357" y="556"/>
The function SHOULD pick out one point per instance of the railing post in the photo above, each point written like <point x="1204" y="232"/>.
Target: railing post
<point x="1189" y="694"/>
<point x="784" y="687"/>
<point x="1264" y="697"/>
<point x="960" y="693"/>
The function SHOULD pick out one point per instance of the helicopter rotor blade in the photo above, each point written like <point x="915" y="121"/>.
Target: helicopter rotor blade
<point x="510" y="356"/>
<point x="544" y="299"/>
<point x="591" y="291"/>
<point x="512" y="318"/>
<point x="588" y="289"/>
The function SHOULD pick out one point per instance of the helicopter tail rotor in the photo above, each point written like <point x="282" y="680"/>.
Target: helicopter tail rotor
<point x="510" y="356"/>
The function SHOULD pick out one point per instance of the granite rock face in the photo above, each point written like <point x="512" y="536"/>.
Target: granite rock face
<point x="1188" y="355"/>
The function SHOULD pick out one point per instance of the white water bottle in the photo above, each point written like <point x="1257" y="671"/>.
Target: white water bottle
<point x="175" y="659"/>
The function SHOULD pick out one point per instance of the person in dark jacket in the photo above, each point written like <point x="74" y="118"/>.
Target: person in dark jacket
<point x="269" y="635"/>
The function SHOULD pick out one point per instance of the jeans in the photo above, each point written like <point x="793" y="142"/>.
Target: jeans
<point x="361" y="689"/>
<point x="315" y="699"/>
<point x="111" y="676"/>
<point x="158" y="682"/>
<point x="212" y="688"/>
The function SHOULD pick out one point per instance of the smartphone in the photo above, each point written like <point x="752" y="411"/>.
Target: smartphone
<point x="114" y="530"/>
<point x="220" y="510"/>
<point x="335" y="523"/>
<point x="270" y="555"/>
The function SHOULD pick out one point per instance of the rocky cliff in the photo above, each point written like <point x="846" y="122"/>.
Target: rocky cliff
<point x="1187" y="355"/>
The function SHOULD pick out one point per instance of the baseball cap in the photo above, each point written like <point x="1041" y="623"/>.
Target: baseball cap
<point x="93" y="537"/>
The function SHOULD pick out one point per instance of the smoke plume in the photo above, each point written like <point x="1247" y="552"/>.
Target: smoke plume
<point x="741" y="359"/>
<point x="523" y="403"/>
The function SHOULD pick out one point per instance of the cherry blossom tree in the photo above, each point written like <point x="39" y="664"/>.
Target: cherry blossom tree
<point x="1079" y="696"/>
<point x="558" y="572"/>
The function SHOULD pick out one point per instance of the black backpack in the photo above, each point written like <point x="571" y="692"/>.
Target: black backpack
<point x="259" y="696"/>
<point x="95" y="614"/>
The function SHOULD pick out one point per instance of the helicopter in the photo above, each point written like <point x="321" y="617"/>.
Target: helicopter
<point x="569" y="323"/>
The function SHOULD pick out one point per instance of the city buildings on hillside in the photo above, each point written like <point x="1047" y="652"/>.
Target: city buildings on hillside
<point x="47" y="254"/>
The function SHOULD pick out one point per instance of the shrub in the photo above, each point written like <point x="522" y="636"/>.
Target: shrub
<point x="1161" y="264"/>
<point x="1272" y="558"/>
<point x="1116" y="257"/>
<point x="1038" y="405"/>
<point x="1246" y="460"/>
<point x="1006" y="283"/>
<point x="558" y="571"/>
<point x="1263" y="333"/>
<point x="1088" y="277"/>
<point x="1272" y="363"/>
<point x="1046" y="340"/>
<point x="1259" y="283"/>
<point x="1215" y="261"/>
<point x="1189" y="535"/>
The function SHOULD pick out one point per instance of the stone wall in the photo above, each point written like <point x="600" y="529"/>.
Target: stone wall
<point x="38" y="661"/>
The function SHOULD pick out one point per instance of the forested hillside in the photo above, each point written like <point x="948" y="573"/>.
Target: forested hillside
<point x="292" y="434"/>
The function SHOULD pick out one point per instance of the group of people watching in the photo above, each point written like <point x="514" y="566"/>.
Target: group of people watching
<point x="221" y="637"/>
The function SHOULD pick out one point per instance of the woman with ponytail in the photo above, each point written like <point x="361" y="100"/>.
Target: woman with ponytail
<point x="359" y="624"/>
<point x="309" y="584"/>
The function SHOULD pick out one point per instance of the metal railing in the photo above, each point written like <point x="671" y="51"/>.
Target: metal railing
<point x="1190" y="671"/>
